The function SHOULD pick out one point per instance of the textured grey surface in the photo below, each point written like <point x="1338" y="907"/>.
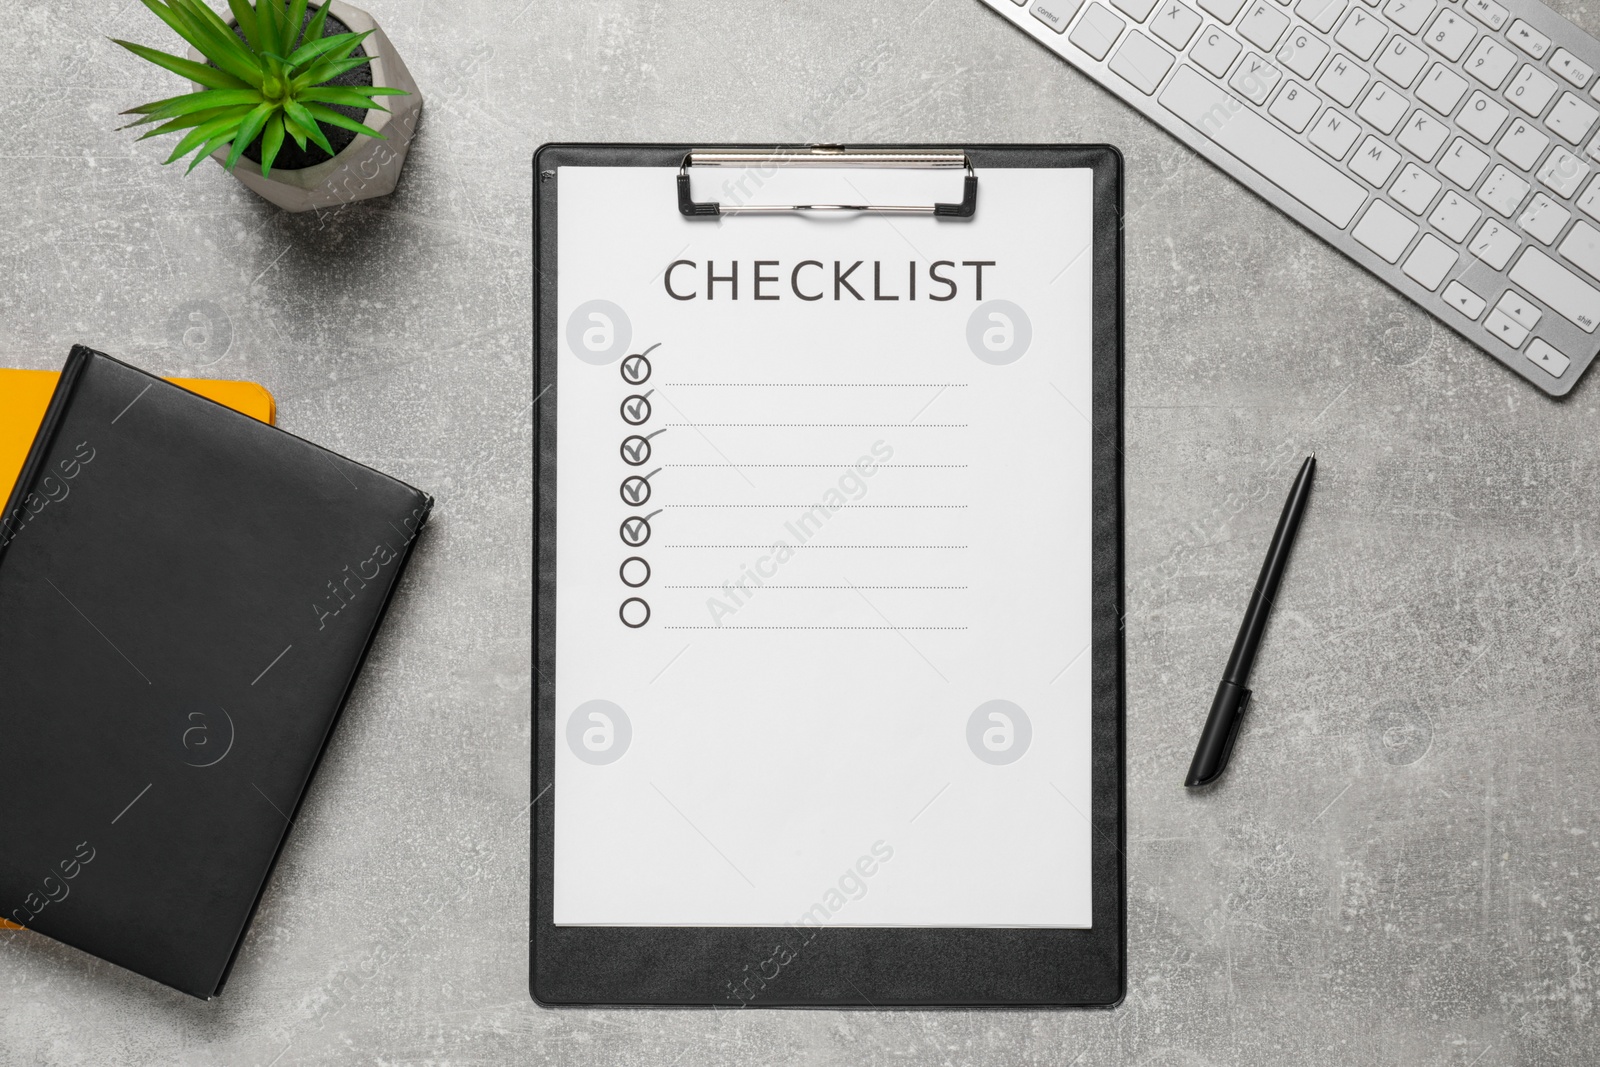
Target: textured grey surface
<point x="1400" y="867"/>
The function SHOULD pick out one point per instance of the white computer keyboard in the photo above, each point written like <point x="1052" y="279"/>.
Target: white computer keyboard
<point x="1448" y="146"/>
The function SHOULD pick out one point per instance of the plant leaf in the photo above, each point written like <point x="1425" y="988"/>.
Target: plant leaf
<point x="338" y="94"/>
<point x="307" y="122"/>
<point x="307" y="52"/>
<point x="245" y="16"/>
<point x="177" y="24"/>
<point x="214" y="39"/>
<point x="222" y="125"/>
<point x="269" y="21"/>
<point x="296" y="22"/>
<point x="195" y="72"/>
<point x="187" y="122"/>
<point x="327" y="70"/>
<point x="271" y="142"/>
<point x="319" y="22"/>
<point x="208" y="148"/>
<point x="248" y="129"/>
<point x="295" y="132"/>
<point x="209" y="98"/>
<point x="333" y="118"/>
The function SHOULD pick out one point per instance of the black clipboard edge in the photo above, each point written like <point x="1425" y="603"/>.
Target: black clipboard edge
<point x="664" y="966"/>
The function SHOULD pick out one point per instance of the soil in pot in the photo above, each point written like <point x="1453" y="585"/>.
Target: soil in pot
<point x="290" y="157"/>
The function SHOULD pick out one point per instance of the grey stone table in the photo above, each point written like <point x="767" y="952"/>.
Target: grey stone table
<point x="1403" y="865"/>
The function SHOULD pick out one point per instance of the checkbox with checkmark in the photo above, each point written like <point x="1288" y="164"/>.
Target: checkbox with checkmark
<point x="636" y="450"/>
<point x="636" y="409"/>
<point x="635" y="489"/>
<point x="635" y="529"/>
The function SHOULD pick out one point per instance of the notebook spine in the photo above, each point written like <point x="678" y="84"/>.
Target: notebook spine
<point x="14" y="520"/>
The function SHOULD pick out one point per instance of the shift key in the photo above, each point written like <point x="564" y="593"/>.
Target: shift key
<point x="1260" y="145"/>
<point x="1567" y="295"/>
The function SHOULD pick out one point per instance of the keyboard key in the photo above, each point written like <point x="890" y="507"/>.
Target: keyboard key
<point x="1321" y="13"/>
<point x="1262" y="146"/>
<point x="1462" y="163"/>
<point x="1449" y="35"/>
<point x="1415" y="189"/>
<point x="1571" y="118"/>
<point x="1335" y="133"/>
<point x="1343" y="80"/>
<point x="1464" y="300"/>
<point x="1175" y="24"/>
<point x="1223" y="9"/>
<point x="1589" y="202"/>
<point x="1490" y="62"/>
<point x="1097" y="31"/>
<point x="1400" y="60"/>
<point x="1441" y="88"/>
<point x="1385" y="231"/>
<point x="1481" y="117"/>
<point x="1255" y="78"/>
<point x="1487" y="12"/>
<point x="1531" y="90"/>
<point x="1516" y="307"/>
<point x="1571" y="67"/>
<point x="1455" y="216"/>
<point x="1137" y="10"/>
<point x="1383" y="108"/>
<point x="1361" y="33"/>
<point x="1561" y="290"/>
<point x="1430" y="262"/>
<point x="1563" y="172"/>
<point x="1506" y="328"/>
<point x="1522" y="144"/>
<point x="1141" y="62"/>
<point x="1375" y="161"/>
<point x="1056" y="13"/>
<point x="1582" y="249"/>
<point x="1303" y="53"/>
<point x="1543" y="218"/>
<point x="1422" y="135"/>
<point x="1215" y="51"/>
<point x="1528" y="39"/>
<point x="1503" y="191"/>
<point x="1409" y="15"/>
<point x="1494" y="244"/>
<point x="1294" y="107"/>
<point x="1263" y="25"/>
<point x="1548" y="357"/>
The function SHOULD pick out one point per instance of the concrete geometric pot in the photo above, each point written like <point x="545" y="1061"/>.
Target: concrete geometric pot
<point x="367" y="167"/>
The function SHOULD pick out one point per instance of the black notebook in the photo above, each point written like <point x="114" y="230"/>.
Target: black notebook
<point x="186" y="598"/>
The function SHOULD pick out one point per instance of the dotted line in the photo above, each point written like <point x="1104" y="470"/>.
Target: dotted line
<point x="827" y="587"/>
<point x="814" y="627"/>
<point x="828" y="465"/>
<point x="815" y="504"/>
<point x="813" y="546"/>
<point x="837" y="425"/>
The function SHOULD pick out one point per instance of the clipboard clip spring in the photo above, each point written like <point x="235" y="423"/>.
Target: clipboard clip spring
<point x="830" y="156"/>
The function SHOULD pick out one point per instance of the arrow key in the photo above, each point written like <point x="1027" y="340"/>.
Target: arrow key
<point x="1506" y="328"/>
<point x="1464" y="300"/>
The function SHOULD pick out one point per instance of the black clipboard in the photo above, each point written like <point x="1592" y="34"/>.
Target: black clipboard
<point x="846" y="967"/>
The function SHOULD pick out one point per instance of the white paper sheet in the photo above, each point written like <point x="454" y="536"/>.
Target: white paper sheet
<point x="858" y="691"/>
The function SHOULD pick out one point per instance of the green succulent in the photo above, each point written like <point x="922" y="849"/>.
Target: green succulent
<point x="270" y="85"/>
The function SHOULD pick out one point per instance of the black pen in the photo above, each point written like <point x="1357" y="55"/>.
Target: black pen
<point x="1227" y="709"/>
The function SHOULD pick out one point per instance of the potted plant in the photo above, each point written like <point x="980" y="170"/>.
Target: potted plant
<point x="286" y="98"/>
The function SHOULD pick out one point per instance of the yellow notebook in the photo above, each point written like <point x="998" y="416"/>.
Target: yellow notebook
<point x="25" y="394"/>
